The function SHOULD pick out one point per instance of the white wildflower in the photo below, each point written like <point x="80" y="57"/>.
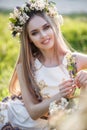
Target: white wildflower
<point x="53" y="107"/>
<point x="64" y="102"/>
<point x="52" y="10"/>
<point x="12" y="16"/>
<point x="32" y="6"/>
<point x="25" y="16"/>
<point x="26" y="8"/>
<point x="22" y="21"/>
<point x="17" y="12"/>
<point x="18" y="29"/>
<point x="38" y="5"/>
<point x="11" y="26"/>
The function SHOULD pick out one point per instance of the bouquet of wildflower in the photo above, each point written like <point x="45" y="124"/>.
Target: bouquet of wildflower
<point x="71" y="67"/>
<point x="59" y="114"/>
<point x="61" y="106"/>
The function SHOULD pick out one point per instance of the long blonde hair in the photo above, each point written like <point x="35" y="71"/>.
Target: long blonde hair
<point x="29" y="52"/>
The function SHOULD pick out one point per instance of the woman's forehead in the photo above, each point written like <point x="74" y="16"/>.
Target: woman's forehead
<point x="36" y="22"/>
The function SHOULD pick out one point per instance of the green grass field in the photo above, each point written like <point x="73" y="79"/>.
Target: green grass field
<point x="74" y="30"/>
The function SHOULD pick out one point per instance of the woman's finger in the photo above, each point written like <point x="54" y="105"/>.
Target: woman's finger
<point x="66" y="84"/>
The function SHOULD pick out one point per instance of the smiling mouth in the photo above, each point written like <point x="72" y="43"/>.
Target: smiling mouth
<point x="46" y="41"/>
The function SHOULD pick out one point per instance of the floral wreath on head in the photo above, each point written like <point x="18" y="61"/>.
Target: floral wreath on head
<point x="21" y="14"/>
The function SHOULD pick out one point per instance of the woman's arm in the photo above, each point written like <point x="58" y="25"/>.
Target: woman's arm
<point x="35" y="109"/>
<point x="81" y="61"/>
<point x="81" y="77"/>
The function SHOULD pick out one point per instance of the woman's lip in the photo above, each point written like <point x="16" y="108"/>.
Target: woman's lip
<point x="46" y="41"/>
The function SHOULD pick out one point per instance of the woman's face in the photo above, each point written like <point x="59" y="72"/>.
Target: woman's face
<point x="41" y="33"/>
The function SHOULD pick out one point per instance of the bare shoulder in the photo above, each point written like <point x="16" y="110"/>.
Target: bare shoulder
<point x="81" y="60"/>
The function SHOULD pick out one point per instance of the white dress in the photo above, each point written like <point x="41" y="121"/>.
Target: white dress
<point x="48" y="79"/>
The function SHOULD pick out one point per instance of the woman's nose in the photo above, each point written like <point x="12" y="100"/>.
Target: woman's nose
<point x="43" y="34"/>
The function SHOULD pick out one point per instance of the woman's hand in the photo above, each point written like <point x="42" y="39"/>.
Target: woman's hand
<point x="66" y="88"/>
<point x="81" y="78"/>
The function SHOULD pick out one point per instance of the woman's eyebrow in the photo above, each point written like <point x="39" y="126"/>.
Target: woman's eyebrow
<point x="45" y="25"/>
<point x="35" y="30"/>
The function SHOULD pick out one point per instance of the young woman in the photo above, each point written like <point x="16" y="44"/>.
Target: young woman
<point x="41" y="75"/>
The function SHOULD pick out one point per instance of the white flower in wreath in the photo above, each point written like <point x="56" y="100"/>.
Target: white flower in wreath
<point x="12" y="15"/>
<point x="52" y="10"/>
<point x="17" y="12"/>
<point x="18" y="28"/>
<point x="11" y="26"/>
<point x="25" y="16"/>
<point x="22" y="20"/>
<point x="26" y="8"/>
<point x="38" y="5"/>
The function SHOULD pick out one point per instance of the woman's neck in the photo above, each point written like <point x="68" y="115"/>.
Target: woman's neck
<point x="50" y="58"/>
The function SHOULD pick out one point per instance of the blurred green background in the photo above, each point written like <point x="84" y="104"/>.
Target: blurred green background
<point x="74" y="30"/>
